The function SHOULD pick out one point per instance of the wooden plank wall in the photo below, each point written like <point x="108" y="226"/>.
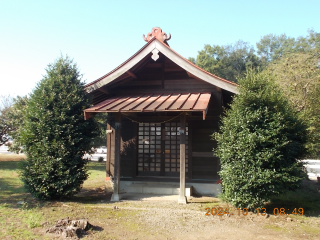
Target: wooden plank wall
<point x="161" y="77"/>
<point x="204" y="164"/>
<point x="128" y="148"/>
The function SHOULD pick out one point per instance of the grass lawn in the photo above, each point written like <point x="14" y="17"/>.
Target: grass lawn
<point x="23" y="217"/>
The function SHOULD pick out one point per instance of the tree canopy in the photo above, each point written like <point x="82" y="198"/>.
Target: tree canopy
<point x="6" y="126"/>
<point x="294" y="61"/>
<point x="298" y="75"/>
<point x="229" y="62"/>
<point x="55" y="135"/>
<point x="272" y="47"/>
<point x="259" y="144"/>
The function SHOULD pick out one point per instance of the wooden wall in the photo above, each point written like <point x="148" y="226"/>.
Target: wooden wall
<point x="128" y="150"/>
<point x="204" y="164"/>
<point x="161" y="77"/>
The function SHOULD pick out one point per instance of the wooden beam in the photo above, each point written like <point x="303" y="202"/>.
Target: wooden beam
<point x="108" y="172"/>
<point x="116" y="187"/>
<point x="103" y="90"/>
<point x="193" y="76"/>
<point x="182" y="196"/>
<point x="142" y="63"/>
<point x="132" y="74"/>
<point x="154" y="65"/>
<point x="190" y="137"/>
<point x="144" y="83"/>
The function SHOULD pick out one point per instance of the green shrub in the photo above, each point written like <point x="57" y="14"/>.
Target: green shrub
<point x="100" y="159"/>
<point x="55" y="135"/>
<point x="259" y="144"/>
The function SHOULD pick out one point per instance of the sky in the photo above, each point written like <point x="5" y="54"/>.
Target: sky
<point x="100" y="35"/>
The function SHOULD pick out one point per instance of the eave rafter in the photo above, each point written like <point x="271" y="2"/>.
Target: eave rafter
<point x="132" y="74"/>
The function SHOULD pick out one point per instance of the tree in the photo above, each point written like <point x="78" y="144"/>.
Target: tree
<point x="100" y="140"/>
<point x="260" y="142"/>
<point x="298" y="75"/>
<point x="272" y="47"/>
<point x="230" y="61"/>
<point x="191" y="59"/>
<point x="55" y="135"/>
<point x="15" y="116"/>
<point x="5" y="121"/>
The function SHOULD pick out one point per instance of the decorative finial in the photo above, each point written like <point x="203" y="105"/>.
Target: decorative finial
<point x="158" y="34"/>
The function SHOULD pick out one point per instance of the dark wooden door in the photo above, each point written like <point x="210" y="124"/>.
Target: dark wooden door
<point x="159" y="149"/>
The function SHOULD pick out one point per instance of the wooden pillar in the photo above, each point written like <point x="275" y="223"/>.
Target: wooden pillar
<point x="182" y="196"/>
<point x="116" y="185"/>
<point x="110" y="150"/>
<point x="108" y="159"/>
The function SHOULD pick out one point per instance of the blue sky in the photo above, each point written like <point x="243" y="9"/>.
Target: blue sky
<point x="100" y="35"/>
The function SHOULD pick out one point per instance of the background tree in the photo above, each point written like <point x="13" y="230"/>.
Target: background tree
<point x="298" y="75"/>
<point x="6" y="126"/>
<point x="230" y="61"/>
<point x="15" y="115"/>
<point x="259" y="144"/>
<point x="55" y="135"/>
<point x="193" y="60"/>
<point x="272" y="47"/>
<point x="294" y="61"/>
<point x="101" y="139"/>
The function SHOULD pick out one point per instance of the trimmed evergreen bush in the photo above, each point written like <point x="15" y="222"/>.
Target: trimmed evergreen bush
<point x="55" y="135"/>
<point x="260" y="142"/>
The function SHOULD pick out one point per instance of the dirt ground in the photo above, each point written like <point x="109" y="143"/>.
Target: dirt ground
<point x="159" y="217"/>
<point x="166" y="219"/>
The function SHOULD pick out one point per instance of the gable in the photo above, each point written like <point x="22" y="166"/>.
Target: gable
<point x="151" y="56"/>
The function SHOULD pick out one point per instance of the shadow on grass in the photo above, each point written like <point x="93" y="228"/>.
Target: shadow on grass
<point x="91" y="196"/>
<point x="9" y="187"/>
<point x="10" y="165"/>
<point x="307" y="197"/>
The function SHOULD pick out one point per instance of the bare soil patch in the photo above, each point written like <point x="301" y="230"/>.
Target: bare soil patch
<point x="11" y="157"/>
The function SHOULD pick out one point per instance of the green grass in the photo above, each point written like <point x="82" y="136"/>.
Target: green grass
<point x="307" y="197"/>
<point x="21" y="216"/>
<point x="30" y="219"/>
<point x="97" y="175"/>
<point x="11" y="187"/>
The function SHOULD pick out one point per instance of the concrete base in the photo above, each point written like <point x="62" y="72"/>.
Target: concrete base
<point x="148" y="197"/>
<point x="207" y="189"/>
<point x="154" y="188"/>
<point x="115" y="197"/>
<point x="182" y="199"/>
<point x="169" y="188"/>
<point x="109" y="186"/>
